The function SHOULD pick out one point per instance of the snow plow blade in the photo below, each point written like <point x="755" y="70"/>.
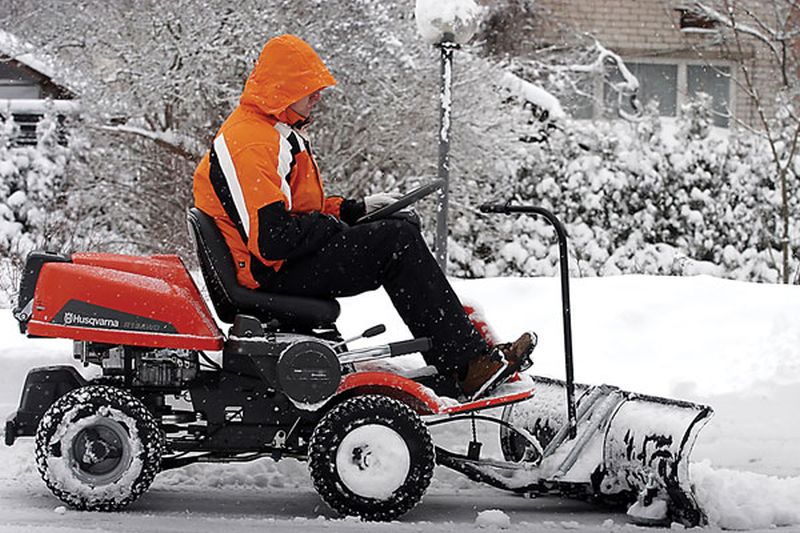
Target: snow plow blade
<point x="629" y="447"/>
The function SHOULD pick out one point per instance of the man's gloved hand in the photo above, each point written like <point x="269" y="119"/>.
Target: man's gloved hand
<point x="373" y="202"/>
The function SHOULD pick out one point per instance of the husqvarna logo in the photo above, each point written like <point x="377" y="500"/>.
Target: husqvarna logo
<point x="83" y="314"/>
<point x="74" y="319"/>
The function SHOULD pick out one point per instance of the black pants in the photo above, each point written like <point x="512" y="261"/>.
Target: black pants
<point x="389" y="253"/>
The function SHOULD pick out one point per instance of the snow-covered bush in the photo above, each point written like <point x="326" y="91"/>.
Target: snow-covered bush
<point x="31" y="188"/>
<point x="47" y="200"/>
<point x="645" y="197"/>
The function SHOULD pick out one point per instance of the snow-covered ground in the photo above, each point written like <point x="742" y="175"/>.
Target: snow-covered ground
<point x="732" y="345"/>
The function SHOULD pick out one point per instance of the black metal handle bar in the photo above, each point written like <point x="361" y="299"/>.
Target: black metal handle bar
<point x="393" y="349"/>
<point x="508" y="209"/>
<point x="423" y="344"/>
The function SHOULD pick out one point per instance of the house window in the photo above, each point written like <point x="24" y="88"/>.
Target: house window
<point x="715" y="82"/>
<point x="579" y="99"/>
<point x="657" y="82"/>
<point x="15" y="91"/>
<point x="670" y="84"/>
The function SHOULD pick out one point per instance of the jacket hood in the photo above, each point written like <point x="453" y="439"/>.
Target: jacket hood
<point x="287" y="70"/>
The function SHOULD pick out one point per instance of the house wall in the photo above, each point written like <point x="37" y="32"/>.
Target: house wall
<point x="649" y="30"/>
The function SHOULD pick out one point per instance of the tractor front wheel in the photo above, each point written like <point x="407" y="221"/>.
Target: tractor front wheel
<point x="371" y="457"/>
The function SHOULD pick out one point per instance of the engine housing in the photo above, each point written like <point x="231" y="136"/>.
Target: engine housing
<point x="162" y="368"/>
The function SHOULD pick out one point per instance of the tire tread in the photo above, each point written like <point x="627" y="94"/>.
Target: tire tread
<point x="322" y="458"/>
<point x="101" y="395"/>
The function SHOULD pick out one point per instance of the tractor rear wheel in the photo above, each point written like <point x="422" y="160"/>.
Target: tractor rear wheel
<point x="98" y="448"/>
<point x="372" y="457"/>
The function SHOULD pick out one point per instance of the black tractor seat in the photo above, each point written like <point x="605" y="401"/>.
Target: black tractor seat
<point x="295" y="313"/>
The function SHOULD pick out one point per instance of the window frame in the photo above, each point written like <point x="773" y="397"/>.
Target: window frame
<point x="20" y="84"/>
<point x="681" y="82"/>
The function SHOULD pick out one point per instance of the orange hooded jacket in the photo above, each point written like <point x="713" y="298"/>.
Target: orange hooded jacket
<point x="259" y="181"/>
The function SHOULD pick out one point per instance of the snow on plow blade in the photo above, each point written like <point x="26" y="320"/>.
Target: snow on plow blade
<point x="628" y="446"/>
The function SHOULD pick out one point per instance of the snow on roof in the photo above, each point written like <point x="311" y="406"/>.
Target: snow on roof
<point x="23" y="52"/>
<point x="23" y="105"/>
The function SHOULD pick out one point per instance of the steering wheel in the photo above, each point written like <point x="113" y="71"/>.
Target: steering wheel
<point x="404" y="201"/>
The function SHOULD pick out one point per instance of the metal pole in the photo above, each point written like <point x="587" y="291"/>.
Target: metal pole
<point x="566" y="307"/>
<point x="445" y="106"/>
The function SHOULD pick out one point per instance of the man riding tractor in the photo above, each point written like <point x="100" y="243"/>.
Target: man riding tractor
<point x="261" y="185"/>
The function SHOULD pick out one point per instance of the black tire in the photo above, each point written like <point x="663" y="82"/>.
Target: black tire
<point x="98" y="448"/>
<point x="402" y="458"/>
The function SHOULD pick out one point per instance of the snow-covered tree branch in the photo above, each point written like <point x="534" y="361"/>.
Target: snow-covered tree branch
<point x="772" y="27"/>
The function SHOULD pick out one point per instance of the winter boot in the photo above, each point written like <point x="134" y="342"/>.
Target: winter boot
<point x="487" y="371"/>
<point x="483" y="373"/>
<point x="518" y="353"/>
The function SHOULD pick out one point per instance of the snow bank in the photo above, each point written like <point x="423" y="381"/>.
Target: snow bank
<point x="744" y="500"/>
<point x="691" y="337"/>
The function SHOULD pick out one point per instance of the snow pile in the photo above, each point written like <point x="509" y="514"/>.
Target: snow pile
<point x="691" y="337"/>
<point x="435" y="18"/>
<point x="493" y="518"/>
<point x="744" y="500"/>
